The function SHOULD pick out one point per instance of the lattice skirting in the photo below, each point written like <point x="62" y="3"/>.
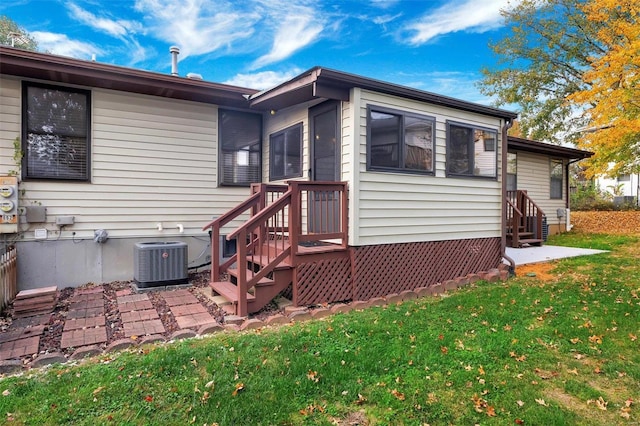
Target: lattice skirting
<point x="325" y="281"/>
<point x="391" y="268"/>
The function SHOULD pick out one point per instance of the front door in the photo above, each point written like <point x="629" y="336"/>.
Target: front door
<point x="324" y="135"/>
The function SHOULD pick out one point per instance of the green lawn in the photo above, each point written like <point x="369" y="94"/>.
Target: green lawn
<point x="562" y="351"/>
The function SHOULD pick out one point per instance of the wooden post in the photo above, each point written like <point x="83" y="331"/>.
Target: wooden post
<point x="241" y="243"/>
<point x="215" y="253"/>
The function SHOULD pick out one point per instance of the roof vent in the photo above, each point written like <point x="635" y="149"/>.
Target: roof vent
<point x="175" y="51"/>
<point x="194" y="76"/>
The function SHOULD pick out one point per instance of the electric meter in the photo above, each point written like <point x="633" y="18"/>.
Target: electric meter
<point x="6" y="191"/>
<point x="8" y="204"/>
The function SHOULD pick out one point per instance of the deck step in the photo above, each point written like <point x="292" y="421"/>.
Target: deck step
<point x="521" y="234"/>
<point x="228" y="290"/>
<point x="264" y="281"/>
<point x="266" y="260"/>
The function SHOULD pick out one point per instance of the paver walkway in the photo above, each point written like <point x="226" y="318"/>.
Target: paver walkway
<point x="85" y="323"/>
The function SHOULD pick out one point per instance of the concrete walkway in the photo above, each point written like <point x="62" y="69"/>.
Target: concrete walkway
<point x="523" y="256"/>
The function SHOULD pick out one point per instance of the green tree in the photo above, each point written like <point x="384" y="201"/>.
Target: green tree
<point x="542" y="61"/>
<point x="12" y="34"/>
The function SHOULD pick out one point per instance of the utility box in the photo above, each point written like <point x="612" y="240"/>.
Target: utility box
<point x="160" y="263"/>
<point x="8" y="204"/>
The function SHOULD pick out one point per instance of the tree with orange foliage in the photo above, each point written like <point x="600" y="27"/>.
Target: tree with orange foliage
<point x="611" y="97"/>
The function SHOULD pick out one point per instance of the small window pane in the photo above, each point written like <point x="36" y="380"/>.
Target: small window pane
<point x="485" y="161"/>
<point x="556" y="179"/>
<point x="471" y="151"/>
<point x="385" y="137"/>
<point x="460" y="150"/>
<point x="240" y="139"/>
<point x="286" y="153"/>
<point x="512" y="171"/>
<point x="418" y="139"/>
<point x="57" y="133"/>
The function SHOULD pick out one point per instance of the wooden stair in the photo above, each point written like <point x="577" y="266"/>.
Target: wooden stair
<point x="263" y="291"/>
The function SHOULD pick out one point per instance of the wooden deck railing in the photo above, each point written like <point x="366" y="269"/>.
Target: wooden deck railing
<point x="523" y="216"/>
<point x="8" y="276"/>
<point x="277" y="227"/>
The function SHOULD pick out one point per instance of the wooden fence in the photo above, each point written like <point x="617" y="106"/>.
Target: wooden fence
<point x="8" y="275"/>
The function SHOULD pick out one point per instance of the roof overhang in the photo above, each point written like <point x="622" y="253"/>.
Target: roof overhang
<point x="520" y="144"/>
<point x="60" y="69"/>
<point x="324" y="83"/>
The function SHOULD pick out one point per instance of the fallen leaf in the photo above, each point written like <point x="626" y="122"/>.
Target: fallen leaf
<point x="238" y="389"/>
<point x="574" y="371"/>
<point x="313" y="376"/>
<point x="543" y="374"/>
<point x="361" y="400"/>
<point x="575" y="340"/>
<point x="444" y="350"/>
<point x="520" y="403"/>
<point x="6" y="392"/>
<point x="209" y="384"/>
<point x="597" y="339"/>
<point x="95" y="391"/>
<point x="519" y="421"/>
<point x="491" y="412"/>
<point x="633" y="337"/>
<point x="398" y="394"/>
<point x="542" y="402"/>
<point x="481" y="370"/>
<point x="601" y="404"/>
<point x="148" y="398"/>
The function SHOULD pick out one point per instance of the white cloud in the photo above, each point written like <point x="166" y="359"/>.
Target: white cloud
<point x="117" y="28"/>
<point x="263" y="80"/>
<point x="475" y="16"/>
<point x="385" y="19"/>
<point x="293" y="33"/>
<point x="197" y="26"/>
<point x="60" y="44"/>
<point x="384" y="4"/>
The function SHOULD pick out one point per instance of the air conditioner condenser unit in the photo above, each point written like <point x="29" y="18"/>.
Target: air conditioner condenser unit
<point x="160" y="263"/>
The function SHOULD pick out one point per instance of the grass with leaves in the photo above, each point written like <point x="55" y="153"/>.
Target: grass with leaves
<point x="527" y="351"/>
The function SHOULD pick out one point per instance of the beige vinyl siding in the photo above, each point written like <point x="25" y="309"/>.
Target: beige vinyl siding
<point x="152" y="160"/>
<point x="10" y="122"/>
<point x="404" y="207"/>
<point x="534" y="176"/>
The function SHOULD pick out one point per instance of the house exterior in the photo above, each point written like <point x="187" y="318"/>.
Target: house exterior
<point x="369" y="187"/>
<point x="624" y="188"/>
<point x="542" y="170"/>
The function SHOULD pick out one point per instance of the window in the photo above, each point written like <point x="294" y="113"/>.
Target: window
<point x="624" y="178"/>
<point x="56" y="128"/>
<point x="471" y="151"/>
<point x="240" y="140"/>
<point x="556" y="180"/>
<point x="285" y="153"/>
<point x="399" y="141"/>
<point x="512" y="171"/>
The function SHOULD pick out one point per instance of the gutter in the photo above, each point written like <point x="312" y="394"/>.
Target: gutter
<point x="503" y="233"/>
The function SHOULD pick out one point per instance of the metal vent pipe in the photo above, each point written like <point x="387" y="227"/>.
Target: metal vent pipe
<point x="175" y="51"/>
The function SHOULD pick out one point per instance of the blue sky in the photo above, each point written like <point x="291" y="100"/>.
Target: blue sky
<point x="434" y="45"/>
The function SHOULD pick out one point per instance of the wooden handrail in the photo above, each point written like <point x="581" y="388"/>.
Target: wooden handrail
<point x="234" y="213"/>
<point x="263" y="214"/>
<point x="523" y="209"/>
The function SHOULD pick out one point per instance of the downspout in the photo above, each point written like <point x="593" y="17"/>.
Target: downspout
<point x="567" y="217"/>
<point x="503" y="243"/>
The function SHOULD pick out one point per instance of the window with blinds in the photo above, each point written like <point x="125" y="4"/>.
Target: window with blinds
<point x="240" y="139"/>
<point x="56" y="129"/>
